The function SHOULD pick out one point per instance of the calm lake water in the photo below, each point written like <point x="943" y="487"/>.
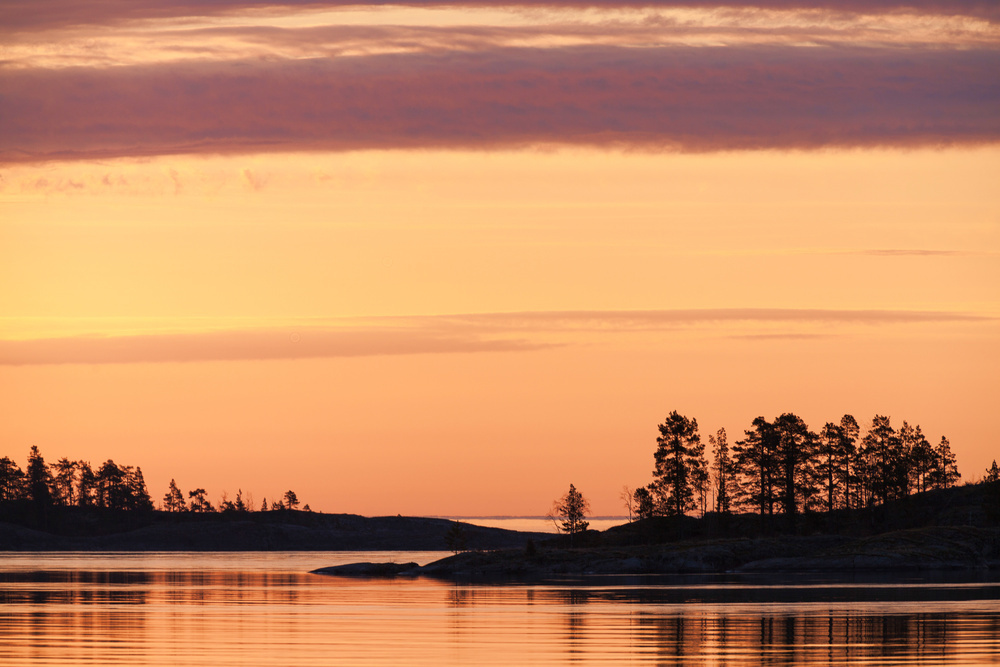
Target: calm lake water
<point x="265" y="609"/>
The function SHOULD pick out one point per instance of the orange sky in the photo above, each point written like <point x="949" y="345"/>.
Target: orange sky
<point x="468" y="323"/>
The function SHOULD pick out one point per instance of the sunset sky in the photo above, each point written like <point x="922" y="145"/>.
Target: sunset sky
<point x="447" y="258"/>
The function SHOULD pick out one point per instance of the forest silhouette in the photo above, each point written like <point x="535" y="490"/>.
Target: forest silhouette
<point x="69" y="483"/>
<point x="783" y="467"/>
<point x="778" y="474"/>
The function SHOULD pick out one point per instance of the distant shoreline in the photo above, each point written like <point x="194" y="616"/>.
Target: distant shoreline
<point x="94" y="529"/>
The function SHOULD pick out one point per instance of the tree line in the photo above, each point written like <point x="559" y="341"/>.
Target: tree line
<point x="783" y="467"/>
<point x="111" y="486"/>
<point x="77" y="483"/>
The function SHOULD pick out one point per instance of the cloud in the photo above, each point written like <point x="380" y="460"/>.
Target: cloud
<point x="244" y="345"/>
<point x="641" y="320"/>
<point x="26" y="15"/>
<point x="440" y="334"/>
<point x="254" y="180"/>
<point x="781" y="336"/>
<point x="904" y="252"/>
<point x="672" y="98"/>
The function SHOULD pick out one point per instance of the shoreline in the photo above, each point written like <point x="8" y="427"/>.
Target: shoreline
<point x="938" y="549"/>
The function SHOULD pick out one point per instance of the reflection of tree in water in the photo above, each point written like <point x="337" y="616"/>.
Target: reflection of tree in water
<point x="66" y="607"/>
<point x="459" y="596"/>
<point x="796" y="639"/>
<point x="575" y="601"/>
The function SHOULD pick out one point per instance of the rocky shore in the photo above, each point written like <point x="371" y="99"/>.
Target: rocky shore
<point x="932" y="548"/>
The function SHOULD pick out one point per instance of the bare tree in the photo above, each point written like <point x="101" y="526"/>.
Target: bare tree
<point x="628" y="500"/>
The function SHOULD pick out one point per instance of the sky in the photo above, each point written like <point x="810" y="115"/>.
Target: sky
<point x="439" y="258"/>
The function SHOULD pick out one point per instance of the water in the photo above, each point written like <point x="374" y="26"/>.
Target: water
<point x="265" y="609"/>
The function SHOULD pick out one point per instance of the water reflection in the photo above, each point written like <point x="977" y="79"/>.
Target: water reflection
<point x="267" y="614"/>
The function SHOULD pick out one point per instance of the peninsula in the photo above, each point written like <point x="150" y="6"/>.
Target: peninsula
<point x="949" y="529"/>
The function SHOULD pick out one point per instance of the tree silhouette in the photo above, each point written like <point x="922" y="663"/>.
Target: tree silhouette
<point x="241" y="505"/>
<point x="139" y="499"/>
<point x="882" y="450"/>
<point x="722" y="466"/>
<point x="38" y="479"/>
<point x="755" y="460"/>
<point x="795" y="445"/>
<point x="291" y="500"/>
<point x="828" y="463"/>
<point x="849" y="431"/>
<point x="455" y="539"/>
<point x="628" y="501"/>
<point x="644" y="505"/>
<point x="199" y="501"/>
<point x="572" y="508"/>
<point x="173" y="501"/>
<point x="11" y="480"/>
<point x="86" y="485"/>
<point x="63" y="481"/>
<point x="919" y="457"/>
<point x="945" y="474"/>
<point x="121" y="488"/>
<point x="680" y="465"/>
<point x="993" y="473"/>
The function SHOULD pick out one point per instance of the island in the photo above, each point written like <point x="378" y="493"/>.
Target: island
<point x="955" y="529"/>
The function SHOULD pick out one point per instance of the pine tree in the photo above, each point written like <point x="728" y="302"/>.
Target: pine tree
<point x="828" y="462"/>
<point x="111" y="485"/>
<point x="722" y="467"/>
<point x="64" y="481"/>
<point x="199" y="501"/>
<point x="138" y="495"/>
<point x="993" y="473"/>
<point x="882" y="450"/>
<point x="86" y="486"/>
<point x="920" y="455"/>
<point x="572" y="508"/>
<point x="38" y="479"/>
<point x="755" y="461"/>
<point x="173" y="501"/>
<point x="945" y="474"/>
<point x="847" y="455"/>
<point x="680" y="464"/>
<point x="455" y="539"/>
<point x="11" y="480"/>
<point x="795" y="445"/>
<point x="291" y="500"/>
<point x="644" y="505"/>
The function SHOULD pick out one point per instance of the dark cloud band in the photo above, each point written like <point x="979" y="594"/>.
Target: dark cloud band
<point x="675" y="98"/>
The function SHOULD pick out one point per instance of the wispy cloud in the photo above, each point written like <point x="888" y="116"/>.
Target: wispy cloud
<point x="639" y="320"/>
<point x="20" y="15"/>
<point x="672" y="98"/>
<point x="484" y="30"/>
<point x="781" y="336"/>
<point x="290" y="343"/>
<point x="913" y="252"/>
<point x="440" y="334"/>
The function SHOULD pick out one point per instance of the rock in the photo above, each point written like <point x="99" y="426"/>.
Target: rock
<point x="369" y="569"/>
